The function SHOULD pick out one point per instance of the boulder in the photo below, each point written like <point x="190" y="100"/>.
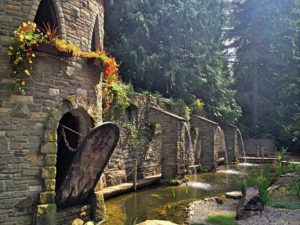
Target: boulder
<point x="249" y="204"/>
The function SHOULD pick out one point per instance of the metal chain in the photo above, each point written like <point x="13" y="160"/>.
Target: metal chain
<point x="66" y="141"/>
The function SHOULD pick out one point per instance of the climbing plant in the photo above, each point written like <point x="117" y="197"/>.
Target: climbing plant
<point x="21" y="54"/>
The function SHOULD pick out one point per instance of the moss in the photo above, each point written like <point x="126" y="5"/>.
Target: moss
<point x="226" y="219"/>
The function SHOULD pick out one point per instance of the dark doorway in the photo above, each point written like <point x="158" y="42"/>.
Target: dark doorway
<point x="72" y="128"/>
<point x="46" y="14"/>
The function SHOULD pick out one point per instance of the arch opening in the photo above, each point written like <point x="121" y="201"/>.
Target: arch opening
<point x="46" y="15"/>
<point x="73" y="127"/>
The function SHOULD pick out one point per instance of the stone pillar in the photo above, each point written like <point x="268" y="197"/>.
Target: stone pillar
<point x="172" y="142"/>
<point x="207" y="130"/>
<point x="231" y="142"/>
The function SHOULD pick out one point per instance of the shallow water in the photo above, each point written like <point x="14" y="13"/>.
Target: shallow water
<point x="169" y="202"/>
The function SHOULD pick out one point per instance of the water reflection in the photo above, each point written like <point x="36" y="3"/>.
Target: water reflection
<point x="169" y="202"/>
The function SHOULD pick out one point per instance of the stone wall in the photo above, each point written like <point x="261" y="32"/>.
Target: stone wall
<point x="28" y="123"/>
<point x="259" y="147"/>
<point x="231" y="139"/>
<point x="138" y="140"/>
<point x="151" y="135"/>
<point x="205" y="147"/>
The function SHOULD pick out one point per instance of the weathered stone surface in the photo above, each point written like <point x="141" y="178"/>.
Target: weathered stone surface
<point x="46" y="214"/>
<point x="249" y="204"/>
<point x="33" y="157"/>
<point x="98" y="206"/>
<point x="4" y="144"/>
<point x="50" y="135"/>
<point x="49" y="172"/>
<point x="47" y="197"/>
<point x="23" y="204"/>
<point x="21" y="111"/>
<point x="50" y="160"/>
<point x="23" y="116"/>
<point x="156" y="222"/>
<point x="115" y="177"/>
<point x="50" y="184"/>
<point x="53" y="92"/>
<point x="21" y="98"/>
<point x="49" y="148"/>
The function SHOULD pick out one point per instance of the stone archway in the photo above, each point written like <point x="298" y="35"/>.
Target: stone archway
<point x="47" y="209"/>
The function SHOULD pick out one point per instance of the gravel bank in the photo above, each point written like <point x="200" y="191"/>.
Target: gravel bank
<point x="198" y="211"/>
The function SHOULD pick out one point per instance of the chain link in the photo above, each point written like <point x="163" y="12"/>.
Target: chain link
<point x="66" y="141"/>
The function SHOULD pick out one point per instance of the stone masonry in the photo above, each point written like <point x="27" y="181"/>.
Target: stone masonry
<point x="28" y="122"/>
<point x="209" y="152"/>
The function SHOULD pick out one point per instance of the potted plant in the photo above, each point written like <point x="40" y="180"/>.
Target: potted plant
<point x="52" y="44"/>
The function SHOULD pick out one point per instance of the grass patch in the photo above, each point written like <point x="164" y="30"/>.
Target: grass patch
<point x="227" y="219"/>
<point x="287" y="204"/>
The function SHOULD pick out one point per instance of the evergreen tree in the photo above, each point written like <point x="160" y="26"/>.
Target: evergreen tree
<point x="174" y="47"/>
<point x="267" y="67"/>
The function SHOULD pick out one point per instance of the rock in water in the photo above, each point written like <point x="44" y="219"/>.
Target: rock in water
<point x="249" y="204"/>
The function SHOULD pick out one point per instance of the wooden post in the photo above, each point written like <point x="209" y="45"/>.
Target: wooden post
<point x="134" y="174"/>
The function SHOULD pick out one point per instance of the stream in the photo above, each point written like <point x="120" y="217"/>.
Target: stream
<point x="170" y="202"/>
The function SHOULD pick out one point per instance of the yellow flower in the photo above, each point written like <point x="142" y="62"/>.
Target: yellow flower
<point x="27" y="72"/>
<point x="24" y="24"/>
<point x="23" y="83"/>
<point x="21" y="36"/>
<point x="30" y="61"/>
<point x="33" y="55"/>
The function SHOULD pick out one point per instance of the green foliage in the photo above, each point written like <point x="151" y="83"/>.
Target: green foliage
<point x="116" y="95"/>
<point x="294" y="186"/>
<point x="260" y="178"/>
<point x="203" y="169"/>
<point x="133" y="135"/>
<point x="181" y="107"/>
<point x="283" y="203"/>
<point x="226" y="219"/>
<point x="175" y="48"/>
<point x="267" y="68"/>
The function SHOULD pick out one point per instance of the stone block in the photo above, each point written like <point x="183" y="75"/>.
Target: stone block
<point x="23" y="204"/>
<point x="51" y="123"/>
<point x="54" y="92"/>
<point x="2" y="186"/>
<point x="56" y="114"/>
<point x="49" y="148"/>
<point x="4" y="145"/>
<point x="50" y="135"/>
<point x="47" y="197"/>
<point x="98" y="206"/>
<point x="46" y="214"/>
<point x="21" y="111"/>
<point x="50" y="160"/>
<point x="49" y="172"/>
<point x="50" y="184"/>
<point x="37" y="188"/>
<point x="21" y="98"/>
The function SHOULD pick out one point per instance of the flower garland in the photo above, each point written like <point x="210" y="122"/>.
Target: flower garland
<point x="21" y="56"/>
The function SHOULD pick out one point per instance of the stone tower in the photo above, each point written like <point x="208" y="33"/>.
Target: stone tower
<point x="60" y="88"/>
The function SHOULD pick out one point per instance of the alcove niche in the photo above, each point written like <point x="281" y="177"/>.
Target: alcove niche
<point x="46" y="15"/>
<point x="73" y="127"/>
